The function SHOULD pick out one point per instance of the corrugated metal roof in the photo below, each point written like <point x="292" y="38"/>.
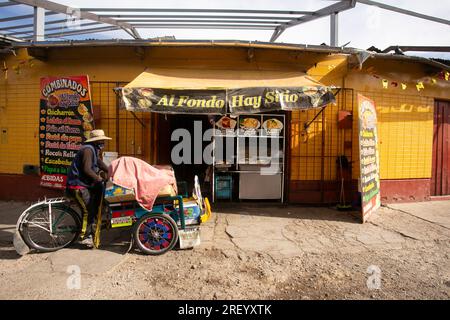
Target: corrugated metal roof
<point x="226" y="43"/>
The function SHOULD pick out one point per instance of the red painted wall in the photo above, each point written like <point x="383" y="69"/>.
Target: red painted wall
<point x="21" y="187"/>
<point x="405" y="190"/>
<point x="26" y="188"/>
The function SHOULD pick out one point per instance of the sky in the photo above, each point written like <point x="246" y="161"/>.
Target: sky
<point x="363" y="26"/>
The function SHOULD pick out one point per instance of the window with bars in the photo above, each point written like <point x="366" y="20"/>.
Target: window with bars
<point x="131" y="133"/>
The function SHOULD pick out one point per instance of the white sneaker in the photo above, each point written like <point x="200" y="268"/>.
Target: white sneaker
<point x="88" y="241"/>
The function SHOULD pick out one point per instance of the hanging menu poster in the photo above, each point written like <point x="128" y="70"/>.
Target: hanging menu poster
<point x="65" y="121"/>
<point x="368" y="157"/>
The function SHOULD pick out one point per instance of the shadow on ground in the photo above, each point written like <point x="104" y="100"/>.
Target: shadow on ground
<point x="118" y="241"/>
<point x="278" y="210"/>
<point x="115" y="241"/>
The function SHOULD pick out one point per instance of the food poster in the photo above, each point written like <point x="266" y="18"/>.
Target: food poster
<point x="66" y="120"/>
<point x="368" y="157"/>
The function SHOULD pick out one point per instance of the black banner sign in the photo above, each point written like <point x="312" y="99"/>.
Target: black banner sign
<point x="254" y="100"/>
<point x="239" y="101"/>
<point x="175" y="101"/>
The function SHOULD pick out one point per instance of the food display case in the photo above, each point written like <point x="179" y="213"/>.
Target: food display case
<point x="253" y="153"/>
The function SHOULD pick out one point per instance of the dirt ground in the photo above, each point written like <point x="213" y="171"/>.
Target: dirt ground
<point x="252" y="252"/>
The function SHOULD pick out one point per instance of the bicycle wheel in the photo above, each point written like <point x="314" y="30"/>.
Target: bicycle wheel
<point x="155" y="233"/>
<point x="65" y="227"/>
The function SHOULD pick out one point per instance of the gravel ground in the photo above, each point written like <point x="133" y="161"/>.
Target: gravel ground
<point x="328" y="258"/>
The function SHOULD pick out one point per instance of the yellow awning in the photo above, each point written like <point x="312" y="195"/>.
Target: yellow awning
<point x="208" y="79"/>
<point x="214" y="91"/>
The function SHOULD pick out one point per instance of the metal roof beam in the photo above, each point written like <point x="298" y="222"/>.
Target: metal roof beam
<point x="26" y="16"/>
<point x="8" y="38"/>
<point x="418" y="48"/>
<point x="198" y="10"/>
<point x="276" y="33"/>
<point x="133" y="21"/>
<point x="334" y="29"/>
<point x="334" y="8"/>
<point x="404" y="11"/>
<point x="8" y="4"/>
<point x="30" y="25"/>
<point x="56" y="7"/>
<point x="132" y="32"/>
<point x="39" y="24"/>
<point x="150" y="16"/>
<point x="78" y="32"/>
<point x="62" y="28"/>
<point x="205" y="26"/>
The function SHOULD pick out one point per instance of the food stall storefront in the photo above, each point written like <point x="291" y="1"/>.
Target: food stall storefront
<point x="243" y="158"/>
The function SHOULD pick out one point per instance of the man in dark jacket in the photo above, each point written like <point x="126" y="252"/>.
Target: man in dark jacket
<point x="85" y="181"/>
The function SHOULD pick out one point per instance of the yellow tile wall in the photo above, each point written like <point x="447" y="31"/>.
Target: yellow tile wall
<point x="19" y="113"/>
<point x="405" y="130"/>
<point x="405" y="133"/>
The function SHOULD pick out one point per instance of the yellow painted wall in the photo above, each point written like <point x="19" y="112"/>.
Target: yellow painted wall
<point x="20" y="120"/>
<point x="405" y="117"/>
<point x="405" y="120"/>
<point x="106" y="66"/>
<point x="405" y="133"/>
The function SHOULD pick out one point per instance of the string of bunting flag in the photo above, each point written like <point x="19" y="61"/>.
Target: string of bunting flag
<point x="17" y="67"/>
<point x="420" y="85"/>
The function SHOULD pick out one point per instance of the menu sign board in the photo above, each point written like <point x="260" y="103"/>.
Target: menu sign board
<point x="65" y="121"/>
<point x="368" y="157"/>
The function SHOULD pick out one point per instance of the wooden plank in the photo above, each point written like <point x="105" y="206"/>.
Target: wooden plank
<point x="287" y="152"/>
<point x="445" y="148"/>
<point x="439" y="152"/>
<point x="434" y="156"/>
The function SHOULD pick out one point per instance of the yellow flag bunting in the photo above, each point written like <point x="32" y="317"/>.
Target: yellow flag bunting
<point x="443" y="75"/>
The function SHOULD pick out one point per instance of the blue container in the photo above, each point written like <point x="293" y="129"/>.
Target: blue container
<point x="223" y="187"/>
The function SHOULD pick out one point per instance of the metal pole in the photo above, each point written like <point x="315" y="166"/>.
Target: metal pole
<point x="39" y="24"/>
<point x="403" y="11"/>
<point x="334" y="29"/>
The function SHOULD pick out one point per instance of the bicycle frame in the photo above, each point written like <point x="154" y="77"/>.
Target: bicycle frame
<point x="19" y="244"/>
<point x="48" y="202"/>
<point x="172" y="206"/>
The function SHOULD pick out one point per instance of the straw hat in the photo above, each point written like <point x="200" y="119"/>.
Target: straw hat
<point x="97" y="135"/>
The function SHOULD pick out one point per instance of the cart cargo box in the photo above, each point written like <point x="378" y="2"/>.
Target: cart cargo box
<point x="191" y="212"/>
<point x="115" y="193"/>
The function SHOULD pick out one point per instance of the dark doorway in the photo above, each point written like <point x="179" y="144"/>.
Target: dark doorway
<point x="184" y="172"/>
<point x="440" y="180"/>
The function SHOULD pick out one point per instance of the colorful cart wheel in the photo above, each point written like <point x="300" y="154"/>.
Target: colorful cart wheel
<point x="155" y="234"/>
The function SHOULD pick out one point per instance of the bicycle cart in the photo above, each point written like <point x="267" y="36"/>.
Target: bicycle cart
<point x="53" y="224"/>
